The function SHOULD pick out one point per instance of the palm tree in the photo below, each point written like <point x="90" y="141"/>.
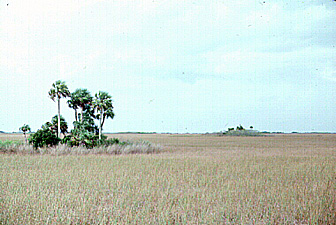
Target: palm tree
<point x="81" y="98"/>
<point x="103" y="104"/>
<point x="25" y="128"/>
<point x="108" y="114"/>
<point x="73" y="105"/>
<point x="59" y="90"/>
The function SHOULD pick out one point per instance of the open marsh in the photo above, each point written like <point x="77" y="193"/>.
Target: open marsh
<point x="197" y="179"/>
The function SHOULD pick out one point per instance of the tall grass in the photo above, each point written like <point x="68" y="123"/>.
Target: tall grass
<point x="234" y="180"/>
<point x="15" y="146"/>
<point x="139" y="147"/>
<point x="142" y="147"/>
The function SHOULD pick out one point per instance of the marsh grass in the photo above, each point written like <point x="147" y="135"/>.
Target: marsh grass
<point x="142" y="147"/>
<point x="138" y="147"/>
<point x="15" y="146"/>
<point x="201" y="180"/>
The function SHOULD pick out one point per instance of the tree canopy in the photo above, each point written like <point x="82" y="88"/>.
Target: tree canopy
<point x="80" y="98"/>
<point x="59" y="89"/>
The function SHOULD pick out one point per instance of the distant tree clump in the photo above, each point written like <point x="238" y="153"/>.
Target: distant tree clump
<point x="241" y="131"/>
<point x="240" y="127"/>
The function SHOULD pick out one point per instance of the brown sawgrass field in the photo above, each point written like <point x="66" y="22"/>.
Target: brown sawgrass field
<point x="196" y="179"/>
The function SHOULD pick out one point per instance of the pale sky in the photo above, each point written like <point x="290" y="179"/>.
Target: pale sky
<point x="173" y="66"/>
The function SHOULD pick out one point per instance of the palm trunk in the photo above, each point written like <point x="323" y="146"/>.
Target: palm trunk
<point x="81" y="115"/>
<point x="76" y="117"/>
<point x="59" y="118"/>
<point x="24" y="133"/>
<point x="103" y="121"/>
<point x="100" y="123"/>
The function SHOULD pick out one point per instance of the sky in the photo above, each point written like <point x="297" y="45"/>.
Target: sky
<point x="173" y="65"/>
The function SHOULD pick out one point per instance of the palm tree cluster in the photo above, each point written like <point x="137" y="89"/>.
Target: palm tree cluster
<point x="85" y="131"/>
<point x="99" y="107"/>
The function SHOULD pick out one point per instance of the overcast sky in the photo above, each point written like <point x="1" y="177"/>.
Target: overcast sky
<point x="173" y="66"/>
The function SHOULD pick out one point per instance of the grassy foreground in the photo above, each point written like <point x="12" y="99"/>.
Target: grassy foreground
<point x="199" y="179"/>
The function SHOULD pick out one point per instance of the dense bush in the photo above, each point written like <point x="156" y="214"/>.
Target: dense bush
<point x="43" y="138"/>
<point x="85" y="133"/>
<point x="81" y="138"/>
<point x="54" y="124"/>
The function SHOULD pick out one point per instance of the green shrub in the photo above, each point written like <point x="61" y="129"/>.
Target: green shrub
<point x="43" y="138"/>
<point x="85" y="133"/>
<point x="108" y="142"/>
<point x="80" y="137"/>
<point x="66" y="139"/>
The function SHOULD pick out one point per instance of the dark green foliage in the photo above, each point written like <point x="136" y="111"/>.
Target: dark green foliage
<point x="43" y="138"/>
<point x="87" y="123"/>
<point x="80" y="137"/>
<point x="66" y="139"/>
<point x="64" y="124"/>
<point x="81" y="98"/>
<point x="85" y="133"/>
<point x="53" y="125"/>
<point x="25" y="128"/>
